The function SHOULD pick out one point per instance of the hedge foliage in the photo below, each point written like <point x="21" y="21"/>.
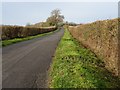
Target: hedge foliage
<point x="102" y="38"/>
<point x="10" y="32"/>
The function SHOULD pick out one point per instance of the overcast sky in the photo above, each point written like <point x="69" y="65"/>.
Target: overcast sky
<point x="21" y="13"/>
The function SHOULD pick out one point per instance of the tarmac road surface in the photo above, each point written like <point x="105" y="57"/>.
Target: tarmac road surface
<point x="26" y="64"/>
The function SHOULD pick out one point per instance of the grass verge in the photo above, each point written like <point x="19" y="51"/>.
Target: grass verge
<point x="77" y="67"/>
<point x="16" y="40"/>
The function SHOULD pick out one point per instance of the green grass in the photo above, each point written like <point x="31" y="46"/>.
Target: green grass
<point x="77" y="67"/>
<point x="16" y="40"/>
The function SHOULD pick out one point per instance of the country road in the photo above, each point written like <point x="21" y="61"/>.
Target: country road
<point x="26" y="64"/>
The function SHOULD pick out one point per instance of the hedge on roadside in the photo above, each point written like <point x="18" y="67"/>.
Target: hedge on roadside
<point x="10" y="32"/>
<point x="102" y="38"/>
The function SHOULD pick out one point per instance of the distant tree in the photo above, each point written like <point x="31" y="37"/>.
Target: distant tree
<point x="55" y="18"/>
<point x="72" y="24"/>
<point x="28" y="24"/>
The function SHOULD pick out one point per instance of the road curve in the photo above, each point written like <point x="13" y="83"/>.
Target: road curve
<point x="25" y="64"/>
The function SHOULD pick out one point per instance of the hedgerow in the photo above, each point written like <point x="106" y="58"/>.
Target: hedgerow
<point x="102" y="38"/>
<point x="11" y="32"/>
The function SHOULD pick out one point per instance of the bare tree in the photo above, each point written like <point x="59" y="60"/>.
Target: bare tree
<point x="55" y="17"/>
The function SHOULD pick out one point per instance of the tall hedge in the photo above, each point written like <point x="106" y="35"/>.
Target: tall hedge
<point x="102" y="38"/>
<point x="10" y="32"/>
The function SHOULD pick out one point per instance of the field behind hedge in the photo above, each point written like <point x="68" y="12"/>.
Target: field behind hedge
<point x="102" y="38"/>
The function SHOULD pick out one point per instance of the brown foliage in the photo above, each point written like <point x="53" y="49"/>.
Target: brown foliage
<point x="102" y="38"/>
<point x="10" y="32"/>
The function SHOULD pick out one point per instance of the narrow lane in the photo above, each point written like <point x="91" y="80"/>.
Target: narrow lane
<point x="25" y="64"/>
